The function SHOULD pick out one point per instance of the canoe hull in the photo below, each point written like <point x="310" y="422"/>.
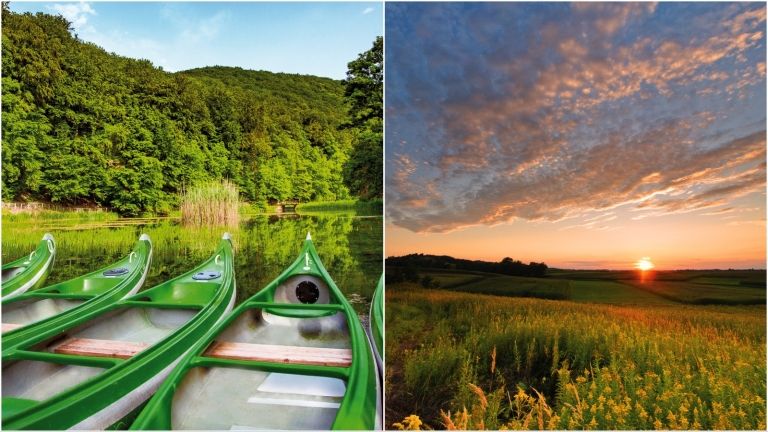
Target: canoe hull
<point x="34" y="269"/>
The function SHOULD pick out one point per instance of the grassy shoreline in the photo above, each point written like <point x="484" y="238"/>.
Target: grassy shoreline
<point x="360" y="207"/>
<point x="357" y="207"/>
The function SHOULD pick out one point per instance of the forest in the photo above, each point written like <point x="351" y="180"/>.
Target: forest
<point x="85" y="127"/>
<point x="506" y="266"/>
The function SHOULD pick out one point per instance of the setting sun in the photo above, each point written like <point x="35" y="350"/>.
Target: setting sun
<point x="644" y="264"/>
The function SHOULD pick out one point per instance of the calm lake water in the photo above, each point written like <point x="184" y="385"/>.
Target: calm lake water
<point x="349" y="246"/>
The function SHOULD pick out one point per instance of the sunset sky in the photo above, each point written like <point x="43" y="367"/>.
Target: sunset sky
<point x="582" y="135"/>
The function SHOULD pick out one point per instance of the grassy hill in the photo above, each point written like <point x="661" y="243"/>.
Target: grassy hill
<point x="613" y="287"/>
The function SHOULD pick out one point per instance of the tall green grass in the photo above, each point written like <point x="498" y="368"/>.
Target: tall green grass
<point x="211" y="204"/>
<point x="357" y="207"/>
<point x="472" y="361"/>
<point x="58" y="215"/>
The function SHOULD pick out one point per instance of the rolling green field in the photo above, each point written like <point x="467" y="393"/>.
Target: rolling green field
<point x="517" y="286"/>
<point x="617" y="354"/>
<point x="615" y="287"/>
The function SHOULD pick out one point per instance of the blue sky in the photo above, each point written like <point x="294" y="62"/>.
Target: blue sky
<point x="581" y="134"/>
<point x="306" y="38"/>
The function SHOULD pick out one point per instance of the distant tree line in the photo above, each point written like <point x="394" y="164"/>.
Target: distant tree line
<point x="407" y="266"/>
<point x="85" y="127"/>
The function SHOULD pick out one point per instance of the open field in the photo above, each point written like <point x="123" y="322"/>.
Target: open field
<point x="517" y="286"/>
<point x="615" y="287"/>
<point x="486" y="362"/>
<point x="701" y="293"/>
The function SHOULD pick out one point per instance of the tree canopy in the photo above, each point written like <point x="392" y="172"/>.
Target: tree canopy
<point x="506" y="266"/>
<point x="83" y="126"/>
<point x="365" y="91"/>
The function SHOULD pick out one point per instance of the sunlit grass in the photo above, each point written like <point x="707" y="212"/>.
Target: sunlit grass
<point x="469" y="361"/>
<point x="352" y="206"/>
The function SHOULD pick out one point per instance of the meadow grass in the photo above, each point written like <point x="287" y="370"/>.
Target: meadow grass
<point x="518" y="286"/>
<point x="454" y="278"/>
<point x="690" y="287"/>
<point x="604" y="291"/>
<point x="699" y="293"/>
<point x="469" y="361"/>
<point x="211" y="204"/>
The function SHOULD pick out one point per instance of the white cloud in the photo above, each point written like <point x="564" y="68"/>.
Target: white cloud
<point x="367" y="10"/>
<point x="207" y="28"/>
<point x="76" y="13"/>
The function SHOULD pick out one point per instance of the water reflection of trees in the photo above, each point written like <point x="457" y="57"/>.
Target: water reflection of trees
<point x="350" y="247"/>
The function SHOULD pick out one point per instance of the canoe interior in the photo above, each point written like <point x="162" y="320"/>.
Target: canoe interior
<point x="38" y="381"/>
<point x="10" y="273"/>
<point x="260" y="327"/>
<point x="260" y="399"/>
<point x="29" y="311"/>
<point x="255" y="400"/>
<point x="129" y="324"/>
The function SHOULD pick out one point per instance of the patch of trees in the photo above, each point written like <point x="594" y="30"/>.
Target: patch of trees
<point x="407" y="265"/>
<point x="85" y="127"/>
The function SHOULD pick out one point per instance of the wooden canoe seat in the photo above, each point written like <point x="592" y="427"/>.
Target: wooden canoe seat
<point x="281" y="354"/>
<point x="100" y="348"/>
<point x="8" y="327"/>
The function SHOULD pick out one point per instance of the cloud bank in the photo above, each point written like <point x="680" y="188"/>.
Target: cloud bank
<point x="550" y="111"/>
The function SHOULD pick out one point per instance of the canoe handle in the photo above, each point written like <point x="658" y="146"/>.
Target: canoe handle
<point x="130" y="256"/>
<point x="51" y="247"/>
<point x="32" y="255"/>
<point x="218" y="259"/>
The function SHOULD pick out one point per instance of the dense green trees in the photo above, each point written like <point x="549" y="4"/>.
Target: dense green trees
<point x="365" y="89"/>
<point x="82" y="126"/>
<point x="407" y="265"/>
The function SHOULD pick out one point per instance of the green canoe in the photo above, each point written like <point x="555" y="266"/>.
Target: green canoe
<point x="29" y="272"/>
<point x="45" y="311"/>
<point x="109" y="361"/>
<point x="293" y="356"/>
<point x="376" y="324"/>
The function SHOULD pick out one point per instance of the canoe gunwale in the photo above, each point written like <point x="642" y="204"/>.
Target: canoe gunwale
<point x="160" y="305"/>
<point x="66" y="359"/>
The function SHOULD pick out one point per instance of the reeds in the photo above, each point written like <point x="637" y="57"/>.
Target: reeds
<point x="211" y="204"/>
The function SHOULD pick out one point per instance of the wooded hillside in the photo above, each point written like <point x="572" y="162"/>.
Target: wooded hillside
<point x="83" y="126"/>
